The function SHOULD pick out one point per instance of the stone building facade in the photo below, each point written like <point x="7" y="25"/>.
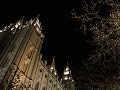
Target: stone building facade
<point x="21" y="67"/>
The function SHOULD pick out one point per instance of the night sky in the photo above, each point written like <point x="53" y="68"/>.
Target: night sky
<point x="61" y="39"/>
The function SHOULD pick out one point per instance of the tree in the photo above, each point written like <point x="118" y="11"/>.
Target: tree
<point x="100" y="23"/>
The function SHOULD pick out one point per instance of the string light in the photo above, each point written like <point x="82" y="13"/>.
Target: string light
<point x="103" y="63"/>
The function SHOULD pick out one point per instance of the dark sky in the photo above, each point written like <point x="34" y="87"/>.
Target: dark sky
<point x="61" y="39"/>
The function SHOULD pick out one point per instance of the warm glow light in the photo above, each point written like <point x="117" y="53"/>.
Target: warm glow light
<point x="17" y="25"/>
<point x="65" y="78"/>
<point x="69" y="77"/>
<point x="67" y="72"/>
<point x="12" y="28"/>
<point x="51" y="67"/>
<point x="38" y="23"/>
<point x="67" y="69"/>
<point x="55" y="73"/>
<point x="38" y="29"/>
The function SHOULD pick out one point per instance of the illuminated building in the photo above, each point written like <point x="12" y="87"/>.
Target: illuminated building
<point x="21" y="67"/>
<point x="68" y="79"/>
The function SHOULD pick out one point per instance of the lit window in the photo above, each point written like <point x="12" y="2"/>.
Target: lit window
<point x="67" y="72"/>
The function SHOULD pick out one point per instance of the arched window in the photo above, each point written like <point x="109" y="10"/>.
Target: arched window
<point x="30" y="52"/>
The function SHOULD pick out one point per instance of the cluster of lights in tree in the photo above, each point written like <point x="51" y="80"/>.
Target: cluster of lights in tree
<point x="106" y="40"/>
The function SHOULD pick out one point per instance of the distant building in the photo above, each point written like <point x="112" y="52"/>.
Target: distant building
<point x="21" y="67"/>
<point x="68" y="79"/>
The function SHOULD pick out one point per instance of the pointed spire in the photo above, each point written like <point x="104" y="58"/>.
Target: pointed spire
<point x="19" y="22"/>
<point x="67" y="66"/>
<point x="53" y="63"/>
<point x="37" y="18"/>
<point x="37" y="24"/>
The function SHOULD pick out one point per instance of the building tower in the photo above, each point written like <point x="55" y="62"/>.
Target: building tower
<point x="52" y="67"/>
<point x="21" y="67"/>
<point x="68" y="81"/>
<point x="20" y="46"/>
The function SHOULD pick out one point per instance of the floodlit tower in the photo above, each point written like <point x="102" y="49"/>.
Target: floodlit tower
<point x="67" y="79"/>
<point x="20" y="46"/>
<point x="52" y="67"/>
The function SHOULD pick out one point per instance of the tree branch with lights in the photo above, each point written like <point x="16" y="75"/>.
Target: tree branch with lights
<point x="100" y="23"/>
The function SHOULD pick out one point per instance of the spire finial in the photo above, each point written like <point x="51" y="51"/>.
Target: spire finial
<point x="38" y="15"/>
<point x="19" y="22"/>
<point x="67" y="63"/>
<point x="53" y="63"/>
<point x="67" y="66"/>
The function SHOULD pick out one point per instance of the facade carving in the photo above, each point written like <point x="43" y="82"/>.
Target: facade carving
<point x="21" y="67"/>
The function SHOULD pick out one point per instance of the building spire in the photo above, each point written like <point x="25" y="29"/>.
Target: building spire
<point x="67" y="66"/>
<point x="67" y="79"/>
<point x="53" y="63"/>
<point x="19" y="22"/>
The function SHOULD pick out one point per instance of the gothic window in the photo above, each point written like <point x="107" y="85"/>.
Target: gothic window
<point x="26" y="62"/>
<point x="30" y="51"/>
<point x="37" y="86"/>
